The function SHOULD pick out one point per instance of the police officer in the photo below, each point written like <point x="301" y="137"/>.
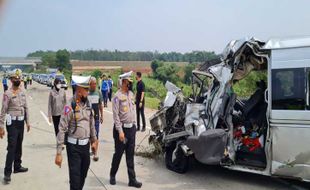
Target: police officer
<point x="15" y="112"/>
<point x="124" y="131"/>
<point x="56" y="102"/>
<point x="77" y="124"/>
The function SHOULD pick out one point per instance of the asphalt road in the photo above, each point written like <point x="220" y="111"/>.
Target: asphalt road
<point x="39" y="152"/>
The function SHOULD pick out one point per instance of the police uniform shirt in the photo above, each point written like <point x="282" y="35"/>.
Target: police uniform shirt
<point x="14" y="103"/>
<point x="85" y="124"/>
<point x="56" y="102"/>
<point x="123" y="109"/>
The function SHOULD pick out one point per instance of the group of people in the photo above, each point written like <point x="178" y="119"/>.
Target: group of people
<point x="106" y="88"/>
<point x="77" y="123"/>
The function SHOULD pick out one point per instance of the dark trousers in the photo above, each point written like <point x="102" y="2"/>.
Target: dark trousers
<point x="56" y="120"/>
<point x="15" y="141"/>
<point x="79" y="161"/>
<point x="110" y="95"/>
<point x="140" y="111"/>
<point x="105" y="97"/>
<point x="25" y="84"/>
<point x="97" y="126"/>
<point x="5" y="87"/>
<point x="128" y="148"/>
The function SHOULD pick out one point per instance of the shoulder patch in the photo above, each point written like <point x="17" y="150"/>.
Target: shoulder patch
<point x="67" y="110"/>
<point x="5" y="97"/>
<point x="115" y="99"/>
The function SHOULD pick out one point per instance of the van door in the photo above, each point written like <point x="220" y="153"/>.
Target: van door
<point x="290" y="113"/>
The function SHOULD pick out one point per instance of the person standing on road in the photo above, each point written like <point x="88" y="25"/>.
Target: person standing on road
<point x="77" y="131"/>
<point x="105" y="90"/>
<point x="140" y="101"/>
<point x="110" y="82"/>
<point x="95" y="98"/>
<point x="5" y="83"/>
<point x="124" y="130"/>
<point x="16" y="113"/>
<point x="24" y="78"/>
<point x="30" y="78"/>
<point x="56" y="102"/>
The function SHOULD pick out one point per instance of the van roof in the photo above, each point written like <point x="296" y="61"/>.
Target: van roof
<point x="292" y="42"/>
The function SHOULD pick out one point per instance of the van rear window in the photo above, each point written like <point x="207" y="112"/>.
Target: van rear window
<point x="289" y="89"/>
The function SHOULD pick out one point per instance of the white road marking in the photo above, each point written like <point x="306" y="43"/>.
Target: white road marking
<point x="45" y="117"/>
<point x="108" y="111"/>
<point x="30" y="98"/>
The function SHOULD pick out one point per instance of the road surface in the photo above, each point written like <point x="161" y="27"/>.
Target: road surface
<point x="39" y="153"/>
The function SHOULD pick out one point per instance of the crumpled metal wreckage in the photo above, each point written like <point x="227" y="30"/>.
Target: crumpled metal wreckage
<point x="215" y="127"/>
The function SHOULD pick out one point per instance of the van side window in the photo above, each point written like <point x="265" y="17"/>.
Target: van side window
<point x="289" y="89"/>
<point x="308" y="89"/>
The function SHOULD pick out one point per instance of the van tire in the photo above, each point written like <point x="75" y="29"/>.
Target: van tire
<point x="180" y="163"/>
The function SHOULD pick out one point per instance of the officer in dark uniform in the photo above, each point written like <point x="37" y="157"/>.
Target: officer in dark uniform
<point x="15" y="112"/>
<point x="77" y="124"/>
<point x="124" y="132"/>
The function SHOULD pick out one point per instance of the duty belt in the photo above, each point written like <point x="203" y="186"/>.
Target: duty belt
<point x="75" y="141"/>
<point x="18" y="118"/>
<point x="128" y="125"/>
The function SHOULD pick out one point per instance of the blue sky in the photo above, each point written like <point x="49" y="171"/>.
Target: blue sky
<point x="140" y="25"/>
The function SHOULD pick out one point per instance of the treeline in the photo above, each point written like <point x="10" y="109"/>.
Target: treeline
<point x="105" y="55"/>
<point x="171" y="72"/>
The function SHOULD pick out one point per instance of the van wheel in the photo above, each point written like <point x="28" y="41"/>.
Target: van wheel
<point x="175" y="158"/>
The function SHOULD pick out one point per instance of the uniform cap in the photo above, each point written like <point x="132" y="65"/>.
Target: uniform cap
<point x="126" y="76"/>
<point x="82" y="81"/>
<point x="17" y="73"/>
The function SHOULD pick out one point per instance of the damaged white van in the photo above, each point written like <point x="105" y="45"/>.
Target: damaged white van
<point x="268" y="133"/>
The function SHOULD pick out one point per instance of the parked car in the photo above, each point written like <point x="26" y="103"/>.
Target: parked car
<point x="266" y="134"/>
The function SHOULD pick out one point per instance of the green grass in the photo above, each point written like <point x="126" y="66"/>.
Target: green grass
<point x="152" y="103"/>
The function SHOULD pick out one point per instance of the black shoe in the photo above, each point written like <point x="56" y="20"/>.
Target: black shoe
<point x="21" y="170"/>
<point x="112" y="181"/>
<point x="143" y="129"/>
<point x="138" y="128"/>
<point x="7" y="179"/>
<point x="96" y="158"/>
<point x="135" y="184"/>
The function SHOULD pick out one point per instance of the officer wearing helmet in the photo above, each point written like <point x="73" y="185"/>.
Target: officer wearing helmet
<point x="77" y="131"/>
<point x="124" y="130"/>
<point x="15" y="113"/>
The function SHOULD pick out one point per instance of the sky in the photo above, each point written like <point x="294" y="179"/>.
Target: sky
<point x="145" y="25"/>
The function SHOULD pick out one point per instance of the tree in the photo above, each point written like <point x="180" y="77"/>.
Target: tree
<point x="63" y="60"/>
<point x="49" y="59"/>
<point x="188" y="72"/>
<point x="96" y="73"/>
<point x="168" y="72"/>
<point x="155" y="64"/>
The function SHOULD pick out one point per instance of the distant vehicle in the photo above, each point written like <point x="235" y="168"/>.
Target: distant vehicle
<point x="267" y="134"/>
<point x="63" y="81"/>
<point x="50" y="80"/>
<point x="43" y="79"/>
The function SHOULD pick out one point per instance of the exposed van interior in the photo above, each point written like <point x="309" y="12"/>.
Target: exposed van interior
<point x="250" y="127"/>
